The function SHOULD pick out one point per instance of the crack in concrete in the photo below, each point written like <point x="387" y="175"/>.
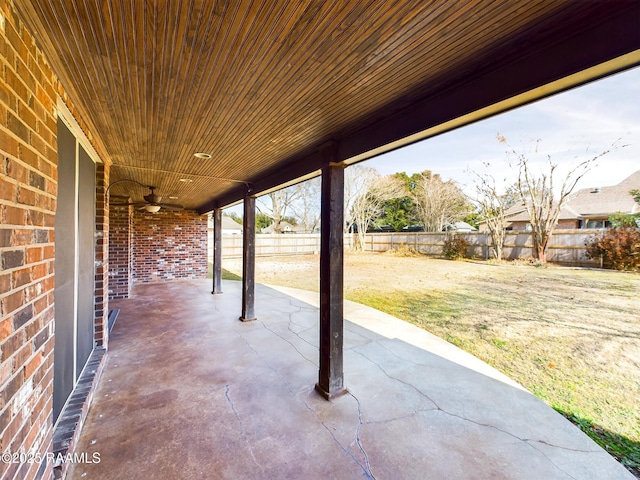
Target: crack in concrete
<point x="550" y="460"/>
<point x="366" y="339"/>
<point x="297" y="334"/>
<point x="242" y="429"/>
<point x="401" y="417"/>
<point x="399" y="380"/>
<point x="527" y="441"/>
<point x="359" y="439"/>
<point x="290" y="343"/>
<point x="365" y="468"/>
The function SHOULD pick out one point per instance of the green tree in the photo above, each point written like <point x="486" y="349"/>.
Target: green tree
<point x="397" y="213"/>
<point x="262" y="221"/>
<point x="400" y="212"/>
<point x="627" y="220"/>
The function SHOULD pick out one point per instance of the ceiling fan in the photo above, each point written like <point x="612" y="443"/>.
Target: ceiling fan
<point x="152" y="202"/>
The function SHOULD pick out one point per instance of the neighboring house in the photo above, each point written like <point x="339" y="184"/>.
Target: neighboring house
<point x="230" y="226"/>
<point x="587" y="208"/>
<point x="285" y="227"/>
<point x="462" y="227"/>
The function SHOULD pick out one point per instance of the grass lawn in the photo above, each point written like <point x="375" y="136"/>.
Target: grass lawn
<point x="570" y="336"/>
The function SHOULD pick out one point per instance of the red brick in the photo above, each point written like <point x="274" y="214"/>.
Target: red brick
<point x="46" y="168"/>
<point x="39" y="271"/>
<point x="13" y="215"/>
<point x="22" y="237"/>
<point x="11" y="345"/>
<point x="6" y="329"/>
<point x="27" y="116"/>
<point x="33" y="291"/>
<point x="32" y="328"/>
<point x="8" y="143"/>
<point x="26" y="76"/>
<point x="13" y="425"/>
<point x="36" y="218"/>
<point x="21" y="277"/>
<point x="44" y="202"/>
<point x="48" y="284"/>
<point x="18" y="127"/>
<point x="12" y="302"/>
<point x="5" y="283"/>
<point x="44" y="98"/>
<point x="38" y="143"/>
<point x="7" y="190"/>
<point x="39" y="305"/>
<point x="6" y="237"/>
<point x="21" y="356"/>
<point x="17" y="85"/>
<point x="17" y="171"/>
<point x="34" y="255"/>
<point x="32" y="365"/>
<point x="28" y="156"/>
<point x="5" y="374"/>
<point x="49" y="252"/>
<point x="7" y="97"/>
<point x="12" y="258"/>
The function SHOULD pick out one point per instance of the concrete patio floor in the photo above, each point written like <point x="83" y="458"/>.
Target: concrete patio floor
<point x="190" y="392"/>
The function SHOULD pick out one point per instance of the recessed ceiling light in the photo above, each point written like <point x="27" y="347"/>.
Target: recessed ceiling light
<point x="203" y="155"/>
<point x="186" y="180"/>
<point x="173" y="198"/>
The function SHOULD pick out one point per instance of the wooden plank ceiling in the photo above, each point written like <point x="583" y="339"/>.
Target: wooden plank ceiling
<point x="259" y="85"/>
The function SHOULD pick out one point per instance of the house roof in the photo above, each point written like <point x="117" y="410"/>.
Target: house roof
<point x="284" y="226"/>
<point x="463" y="227"/>
<point x="592" y="202"/>
<point x="596" y="201"/>
<point x="229" y="223"/>
<point x="275" y="90"/>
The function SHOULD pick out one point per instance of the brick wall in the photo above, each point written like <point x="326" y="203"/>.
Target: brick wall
<point x="102" y="256"/>
<point x="28" y="189"/>
<point x="120" y="248"/>
<point x="169" y="245"/>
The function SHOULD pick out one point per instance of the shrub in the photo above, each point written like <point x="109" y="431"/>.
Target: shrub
<point x="455" y="247"/>
<point x="619" y="248"/>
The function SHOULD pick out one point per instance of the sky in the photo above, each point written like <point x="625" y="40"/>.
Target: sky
<point x="571" y="126"/>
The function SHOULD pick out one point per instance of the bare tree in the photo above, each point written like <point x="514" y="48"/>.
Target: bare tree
<point x="492" y="205"/>
<point x="366" y="191"/>
<point x="306" y="208"/>
<point x="439" y="203"/>
<point x="279" y="203"/>
<point x="541" y="195"/>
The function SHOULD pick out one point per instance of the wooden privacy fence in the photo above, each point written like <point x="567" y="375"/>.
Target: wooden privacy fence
<point x="567" y="247"/>
<point x="269" y="245"/>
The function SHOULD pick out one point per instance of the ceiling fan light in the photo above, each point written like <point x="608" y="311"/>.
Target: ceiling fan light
<point x="152" y="208"/>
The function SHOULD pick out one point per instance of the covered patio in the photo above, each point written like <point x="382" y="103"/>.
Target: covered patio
<point x="188" y="391"/>
<point x="125" y="123"/>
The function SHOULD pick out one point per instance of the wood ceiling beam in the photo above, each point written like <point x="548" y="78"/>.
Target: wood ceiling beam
<point x="598" y="46"/>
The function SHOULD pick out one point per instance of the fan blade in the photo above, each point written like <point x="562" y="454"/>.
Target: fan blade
<point x="171" y="206"/>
